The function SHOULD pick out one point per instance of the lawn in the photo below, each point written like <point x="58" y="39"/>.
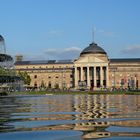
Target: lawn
<point x="78" y="92"/>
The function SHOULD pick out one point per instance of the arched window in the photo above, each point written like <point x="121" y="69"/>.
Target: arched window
<point x="49" y="85"/>
<point x="35" y="84"/>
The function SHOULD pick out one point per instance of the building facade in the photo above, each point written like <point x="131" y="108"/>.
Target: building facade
<point x="93" y="70"/>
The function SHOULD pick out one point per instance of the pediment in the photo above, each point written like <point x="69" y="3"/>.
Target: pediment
<point x="98" y="60"/>
<point x="90" y="60"/>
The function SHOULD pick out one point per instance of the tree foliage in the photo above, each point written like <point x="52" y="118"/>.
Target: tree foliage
<point x="43" y="84"/>
<point x="25" y="77"/>
<point x="7" y="71"/>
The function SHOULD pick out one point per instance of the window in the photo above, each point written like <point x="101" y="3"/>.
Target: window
<point x="49" y="77"/>
<point x="71" y="76"/>
<point x="71" y="83"/>
<point x="35" y="76"/>
<point x="35" y="84"/>
<point x="49" y="85"/>
<point x="56" y="77"/>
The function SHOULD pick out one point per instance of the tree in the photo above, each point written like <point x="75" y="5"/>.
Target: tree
<point x="9" y="72"/>
<point x="42" y="84"/>
<point x="25" y="77"/>
<point x="56" y="86"/>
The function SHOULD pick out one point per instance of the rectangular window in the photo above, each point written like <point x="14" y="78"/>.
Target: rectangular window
<point x="71" y="76"/>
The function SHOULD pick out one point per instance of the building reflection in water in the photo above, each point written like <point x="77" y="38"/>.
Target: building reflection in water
<point x="97" y="116"/>
<point x="103" y="111"/>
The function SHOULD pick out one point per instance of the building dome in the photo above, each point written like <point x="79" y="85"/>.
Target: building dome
<point x="93" y="48"/>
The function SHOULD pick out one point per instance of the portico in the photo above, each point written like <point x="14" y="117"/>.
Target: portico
<point x="93" y="76"/>
<point x="91" y="68"/>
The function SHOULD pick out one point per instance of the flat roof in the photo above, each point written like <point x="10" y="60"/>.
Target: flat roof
<point x="125" y="60"/>
<point x="37" y="62"/>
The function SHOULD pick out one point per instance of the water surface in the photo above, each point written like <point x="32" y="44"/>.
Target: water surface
<point x="70" y="117"/>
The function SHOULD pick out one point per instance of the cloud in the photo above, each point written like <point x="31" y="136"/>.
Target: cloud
<point x="73" y="49"/>
<point x="52" y="54"/>
<point x="51" y="51"/>
<point x="134" y="49"/>
<point x="31" y="57"/>
<point x="70" y="53"/>
<point x="67" y="53"/>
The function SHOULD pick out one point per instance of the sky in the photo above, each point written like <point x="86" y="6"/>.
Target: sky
<point x="61" y="29"/>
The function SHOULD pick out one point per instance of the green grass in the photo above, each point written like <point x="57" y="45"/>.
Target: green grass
<point x="79" y="92"/>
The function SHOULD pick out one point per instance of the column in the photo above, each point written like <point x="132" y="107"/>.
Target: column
<point x="81" y="68"/>
<point x="95" y="83"/>
<point x="101" y="76"/>
<point x="107" y="78"/>
<point x="75" y="75"/>
<point x="135" y="82"/>
<point x="88" y="78"/>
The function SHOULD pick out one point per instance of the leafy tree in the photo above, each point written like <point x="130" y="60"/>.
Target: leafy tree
<point x="43" y="84"/>
<point x="25" y="77"/>
<point x="7" y="71"/>
<point x="56" y="86"/>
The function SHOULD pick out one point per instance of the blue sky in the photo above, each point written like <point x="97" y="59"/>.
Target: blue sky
<point x="61" y="29"/>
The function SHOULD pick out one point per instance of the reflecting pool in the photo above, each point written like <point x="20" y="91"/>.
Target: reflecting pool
<point x="70" y="117"/>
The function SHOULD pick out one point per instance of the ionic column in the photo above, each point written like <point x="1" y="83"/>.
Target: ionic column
<point x="81" y="68"/>
<point x="107" y="77"/>
<point x="101" y="76"/>
<point x="95" y="83"/>
<point x="88" y="78"/>
<point x="76" y="80"/>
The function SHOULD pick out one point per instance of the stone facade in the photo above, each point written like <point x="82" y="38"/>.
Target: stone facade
<point x="51" y="75"/>
<point x="92" y="70"/>
<point x="126" y="74"/>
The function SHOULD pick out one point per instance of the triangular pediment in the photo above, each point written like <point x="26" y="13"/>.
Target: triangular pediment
<point x="98" y="60"/>
<point x="89" y="60"/>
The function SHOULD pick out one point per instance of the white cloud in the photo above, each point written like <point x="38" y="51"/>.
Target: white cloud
<point x="72" y="49"/>
<point x="33" y="57"/>
<point x="67" y="53"/>
<point x="55" y="54"/>
<point x="51" y="51"/>
<point x="134" y="49"/>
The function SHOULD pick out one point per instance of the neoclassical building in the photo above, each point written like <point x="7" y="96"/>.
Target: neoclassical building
<point x="92" y="70"/>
